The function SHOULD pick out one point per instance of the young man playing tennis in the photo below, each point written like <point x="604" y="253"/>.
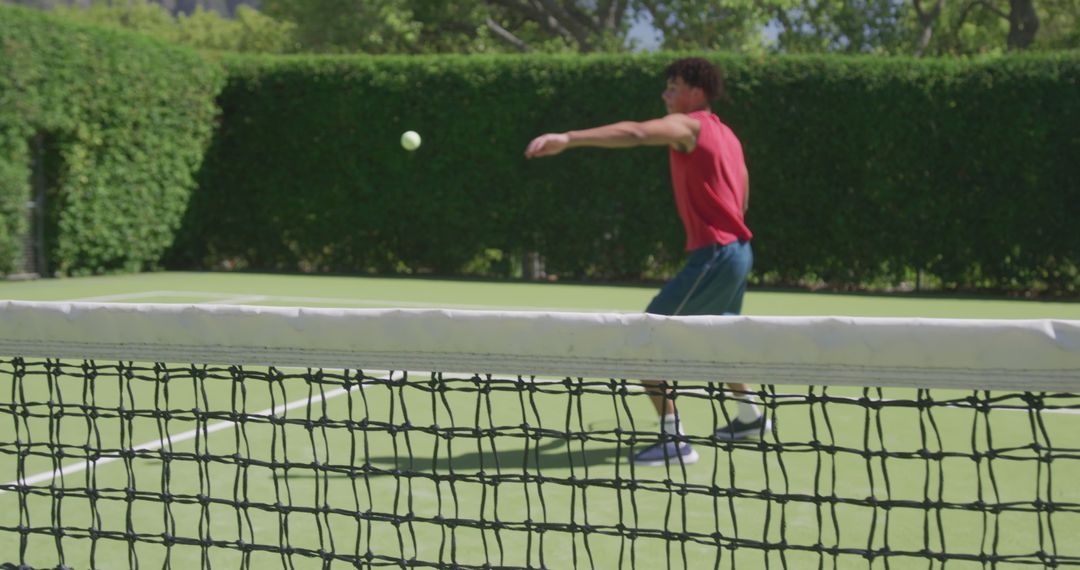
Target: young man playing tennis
<point x="712" y="192"/>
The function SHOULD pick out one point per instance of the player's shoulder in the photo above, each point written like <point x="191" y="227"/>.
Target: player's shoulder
<point x="689" y="119"/>
<point x="704" y="119"/>
<point x="693" y="125"/>
<point x="722" y="129"/>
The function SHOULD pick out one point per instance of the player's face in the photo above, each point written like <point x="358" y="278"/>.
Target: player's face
<point x="681" y="98"/>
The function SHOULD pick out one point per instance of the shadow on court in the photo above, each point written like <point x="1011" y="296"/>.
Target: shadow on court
<point x="549" y="455"/>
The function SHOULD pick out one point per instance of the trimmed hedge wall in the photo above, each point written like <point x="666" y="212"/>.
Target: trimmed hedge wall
<point x="865" y="171"/>
<point x="873" y="170"/>
<point x="306" y="171"/>
<point x="125" y="120"/>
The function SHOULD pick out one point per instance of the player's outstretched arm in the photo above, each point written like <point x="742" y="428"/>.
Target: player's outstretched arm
<point x="676" y="130"/>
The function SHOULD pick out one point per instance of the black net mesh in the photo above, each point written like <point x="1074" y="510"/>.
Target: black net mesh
<point x="120" y="464"/>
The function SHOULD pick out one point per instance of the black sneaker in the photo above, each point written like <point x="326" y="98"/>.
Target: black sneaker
<point x="743" y="430"/>
<point x="664" y="452"/>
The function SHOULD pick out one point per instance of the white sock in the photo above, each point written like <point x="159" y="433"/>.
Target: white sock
<point x="748" y="410"/>
<point x="670" y="425"/>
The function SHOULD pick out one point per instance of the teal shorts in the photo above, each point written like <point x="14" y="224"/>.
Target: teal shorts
<point x="712" y="282"/>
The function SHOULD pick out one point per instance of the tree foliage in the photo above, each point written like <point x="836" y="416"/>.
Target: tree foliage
<point x="928" y="27"/>
<point x="710" y="24"/>
<point x="990" y="26"/>
<point x="248" y="31"/>
<point x="893" y="27"/>
<point x="856" y="26"/>
<point x="342" y="26"/>
<point x="467" y="26"/>
<point x="174" y="7"/>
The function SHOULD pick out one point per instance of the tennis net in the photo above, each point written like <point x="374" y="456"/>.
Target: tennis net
<point x="182" y="436"/>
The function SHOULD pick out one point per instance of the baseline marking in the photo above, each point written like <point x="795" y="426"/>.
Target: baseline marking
<point x="221" y="298"/>
<point x="159" y="443"/>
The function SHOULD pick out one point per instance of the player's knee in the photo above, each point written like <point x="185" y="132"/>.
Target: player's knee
<point x="655" y="387"/>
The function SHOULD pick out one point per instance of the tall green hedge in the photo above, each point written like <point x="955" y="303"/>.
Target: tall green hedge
<point x="306" y="171"/>
<point x="865" y="171"/>
<point x="872" y="170"/>
<point x="126" y="121"/>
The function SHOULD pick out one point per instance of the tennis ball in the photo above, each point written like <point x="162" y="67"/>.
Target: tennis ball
<point x="410" y="140"/>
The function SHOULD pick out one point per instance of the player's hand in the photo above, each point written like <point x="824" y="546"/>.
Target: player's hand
<point x="547" y="145"/>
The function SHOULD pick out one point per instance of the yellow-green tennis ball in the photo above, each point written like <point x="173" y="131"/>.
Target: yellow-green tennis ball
<point x="410" y="140"/>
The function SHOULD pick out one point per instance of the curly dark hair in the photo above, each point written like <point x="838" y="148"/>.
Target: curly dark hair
<point x="698" y="72"/>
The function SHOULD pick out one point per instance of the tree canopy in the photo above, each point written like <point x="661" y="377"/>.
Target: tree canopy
<point x="899" y="27"/>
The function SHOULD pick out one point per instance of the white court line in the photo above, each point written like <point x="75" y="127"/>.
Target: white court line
<point x="226" y="298"/>
<point x="239" y="300"/>
<point x="121" y="296"/>
<point x="158" y="444"/>
<point x="191" y="434"/>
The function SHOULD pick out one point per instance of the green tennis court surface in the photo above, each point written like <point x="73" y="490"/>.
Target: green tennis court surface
<point x="878" y="441"/>
<point x="378" y="457"/>
<point x="370" y="292"/>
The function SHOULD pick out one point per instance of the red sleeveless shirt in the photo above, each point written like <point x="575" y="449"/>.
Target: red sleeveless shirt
<point x="710" y="185"/>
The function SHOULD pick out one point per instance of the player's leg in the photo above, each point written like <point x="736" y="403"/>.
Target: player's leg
<point x="668" y="449"/>
<point x="674" y="294"/>
<point x="749" y="421"/>
<point x="722" y="293"/>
